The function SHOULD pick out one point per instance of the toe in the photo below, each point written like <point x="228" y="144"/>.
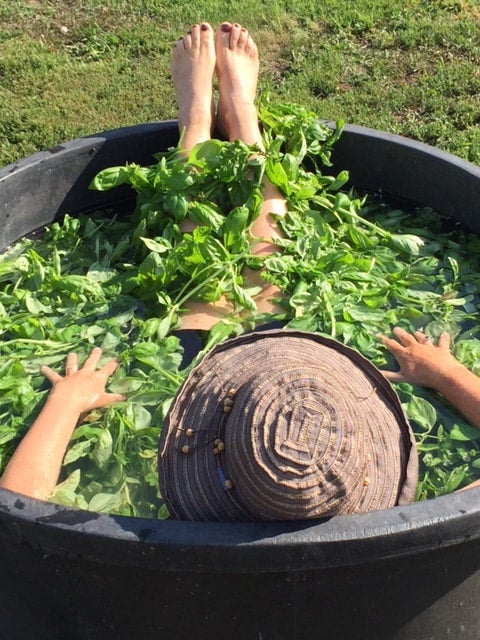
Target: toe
<point x="205" y="28"/>
<point x="251" y="47"/>
<point x="235" y="35"/>
<point x="243" y="38"/>
<point x="206" y="33"/>
<point x="194" y="34"/>
<point x="178" y="50"/>
<point x="187" y="40"/>
<point x="222" y="36"/>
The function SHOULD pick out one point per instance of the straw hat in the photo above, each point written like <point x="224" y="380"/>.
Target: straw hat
<point x="285" y="425"/>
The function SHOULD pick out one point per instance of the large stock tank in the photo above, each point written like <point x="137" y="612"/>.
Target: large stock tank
<point x="408" y="573"/>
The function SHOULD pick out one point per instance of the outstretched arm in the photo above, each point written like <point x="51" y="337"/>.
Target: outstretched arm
<point x="35" y="466"/>
<point x="430" y="365"/>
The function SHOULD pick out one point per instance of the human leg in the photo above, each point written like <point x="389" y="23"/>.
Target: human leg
<point x="192" y="67"/>
<point x="237" y="119"/>
<point x="237" y="68"/>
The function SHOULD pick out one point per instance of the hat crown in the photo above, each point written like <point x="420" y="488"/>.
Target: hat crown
<point x="301" y="424"/>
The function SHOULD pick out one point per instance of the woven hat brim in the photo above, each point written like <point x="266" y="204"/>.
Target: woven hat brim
<point x="328" y="466"/>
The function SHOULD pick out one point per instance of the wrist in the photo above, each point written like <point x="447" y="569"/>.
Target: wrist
<point x="66" y="404"/>
<point x="447" y="378"/>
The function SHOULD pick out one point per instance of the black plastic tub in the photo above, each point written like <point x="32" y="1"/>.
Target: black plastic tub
<point x="409" y="573"/>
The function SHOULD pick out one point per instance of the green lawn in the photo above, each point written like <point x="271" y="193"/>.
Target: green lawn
<point x="71" y="68"/>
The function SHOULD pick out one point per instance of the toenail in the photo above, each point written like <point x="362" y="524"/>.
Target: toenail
<point x="204" y="26"/>
<point x="226" y="26"/>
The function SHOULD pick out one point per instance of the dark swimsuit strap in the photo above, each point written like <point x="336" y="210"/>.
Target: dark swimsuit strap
<point x="193" y="340"/>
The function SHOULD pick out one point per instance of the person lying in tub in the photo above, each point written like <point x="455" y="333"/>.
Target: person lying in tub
<point x="271" y="425"/>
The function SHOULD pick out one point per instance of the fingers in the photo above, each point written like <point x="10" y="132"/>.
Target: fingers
<point x="91" y="362"/>
<point x="72" y="364"/>
<point x="85" y="386"/>
<point x="404" y="337"/>
<point x="420" y="360"/>
<point x="392" y="345"/>
<point x="106" y="399"/>
<point x="51" y="375"/>
<point x="445" y="341"/>
<point x="393" y="376"/>
<point x="109" y="368"/>
<point x="421" y="337"/>
<point x="396" y="347"/>
<point x="407" y="339"/>
<point x="111" y="398"/>
<point x="89" y="366"/>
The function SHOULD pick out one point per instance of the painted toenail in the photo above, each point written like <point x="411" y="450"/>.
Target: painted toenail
<point x="204" y="26"/>
<point x="226" y="26"/>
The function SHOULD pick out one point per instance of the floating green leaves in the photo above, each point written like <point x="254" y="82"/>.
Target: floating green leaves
<point x="348" y="266"/>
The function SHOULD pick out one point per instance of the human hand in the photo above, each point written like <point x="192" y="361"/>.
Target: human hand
<point x="421" y="362"/>
<point x="84" y="389"/>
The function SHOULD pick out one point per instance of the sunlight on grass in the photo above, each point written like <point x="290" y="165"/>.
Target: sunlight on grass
<point x="407" y="67"/>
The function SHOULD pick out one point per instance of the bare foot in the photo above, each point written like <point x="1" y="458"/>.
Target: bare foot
<point x="192" y="67"/>
<point x="237" y="71"/>
<point x="237" y="119"/>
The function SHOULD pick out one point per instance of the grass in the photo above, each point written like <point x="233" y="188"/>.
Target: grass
<point x="69" y="68"/>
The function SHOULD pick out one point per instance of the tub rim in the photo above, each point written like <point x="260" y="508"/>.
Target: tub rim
<point x="241" y="547"/>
